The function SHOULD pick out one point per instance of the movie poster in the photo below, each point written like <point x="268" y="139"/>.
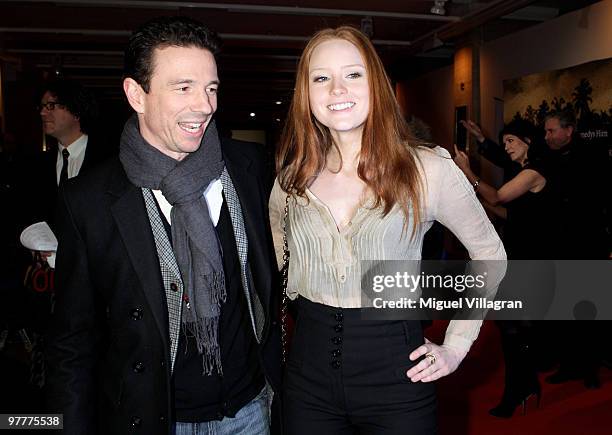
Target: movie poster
<point x="586" y="89"/>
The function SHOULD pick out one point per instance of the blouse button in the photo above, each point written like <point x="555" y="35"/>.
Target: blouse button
<point x="342" y="278"/>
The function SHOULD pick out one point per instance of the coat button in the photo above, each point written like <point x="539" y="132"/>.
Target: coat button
<point x="336" y="353"/>
<point x="338" y="328"/>
<point x="174" y="287"/>
<point x="339" y="317"/>
<point x="336" y="340"/>
<point x="139" y="367"/>
<point x="162" y="419"/>
<point x="136" y="421"/>
<point x="136" y="313"/>
<point x="335" y="364"/>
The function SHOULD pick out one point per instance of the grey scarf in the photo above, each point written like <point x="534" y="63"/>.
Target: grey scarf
<point x="194" y="239"/>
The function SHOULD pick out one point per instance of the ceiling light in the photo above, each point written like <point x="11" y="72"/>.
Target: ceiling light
<point x="438" y="7"/>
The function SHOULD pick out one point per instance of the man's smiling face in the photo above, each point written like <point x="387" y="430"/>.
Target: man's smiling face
<point x="181" y="101"/>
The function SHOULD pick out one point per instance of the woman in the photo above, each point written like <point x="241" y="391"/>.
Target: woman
<point x="524" y="196"/>
<point x="526" y="238"/>
<point x="358" y="187"/>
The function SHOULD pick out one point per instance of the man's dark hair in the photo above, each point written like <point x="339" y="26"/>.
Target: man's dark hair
<point x="76" y="99"/>
<point x="567" y="117"/>
<point x="160" y="33"/>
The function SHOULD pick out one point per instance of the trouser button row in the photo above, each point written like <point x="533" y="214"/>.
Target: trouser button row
<point x="337" y="340"/>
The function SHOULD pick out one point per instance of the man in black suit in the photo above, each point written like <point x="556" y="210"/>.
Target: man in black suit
<point x="580" y="187"/>
<point x="580" y="184"/>
<point x="68" y="113"/>
<point x="166" y="318"/>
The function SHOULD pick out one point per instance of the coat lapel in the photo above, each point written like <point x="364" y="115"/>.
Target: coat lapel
<point x="170" y="272"/>
<point x="249" y="193"/>
<point x="131" y="218"/>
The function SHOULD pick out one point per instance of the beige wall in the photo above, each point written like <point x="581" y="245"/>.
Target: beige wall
<point x="569" y="40"/>
<point x="572" y="39"/>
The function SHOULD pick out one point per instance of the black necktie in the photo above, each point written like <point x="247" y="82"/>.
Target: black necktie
<point x="64" y="173"/>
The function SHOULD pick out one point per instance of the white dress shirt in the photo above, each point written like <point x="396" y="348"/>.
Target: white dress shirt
<point x="214" y="199"/>
<point x="75" y="159"/>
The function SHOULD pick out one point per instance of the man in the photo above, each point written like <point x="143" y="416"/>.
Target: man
<point x="580" y="184"/>
<point x="68" y="112"/>
<point x="165" y="318"/>
<point x="580" y="188"/>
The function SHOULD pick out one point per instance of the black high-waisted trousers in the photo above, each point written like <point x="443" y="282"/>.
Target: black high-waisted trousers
<point x="347" y="375"/>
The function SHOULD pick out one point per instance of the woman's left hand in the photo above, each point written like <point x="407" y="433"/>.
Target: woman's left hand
<point x="443" y="360"/>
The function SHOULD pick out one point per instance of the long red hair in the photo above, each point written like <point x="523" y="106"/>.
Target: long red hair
<point x="387" y="161"/>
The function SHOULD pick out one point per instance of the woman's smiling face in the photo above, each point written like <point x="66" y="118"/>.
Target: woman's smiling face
<point x="338" y="86"/>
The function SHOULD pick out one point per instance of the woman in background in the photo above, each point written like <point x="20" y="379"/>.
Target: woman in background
<point x="357" y="186"/>
<point x="526" y="237"/>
